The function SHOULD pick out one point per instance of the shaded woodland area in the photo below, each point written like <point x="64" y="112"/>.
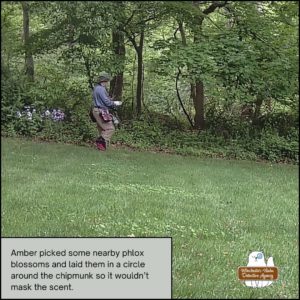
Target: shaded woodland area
<point x="216" y="78"/>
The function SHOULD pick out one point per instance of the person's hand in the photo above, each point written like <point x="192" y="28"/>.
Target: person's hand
<point x="118" y="103"/>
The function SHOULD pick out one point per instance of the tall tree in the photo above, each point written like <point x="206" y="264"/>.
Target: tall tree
<point x="116" y="85"/>
<point x="118" y="46"/>
<point x="193" y="54"/>
<point x="139" y="47"/>
<point x="29" y="64"/>
<point x="2" y="48"/>
<point x="142" y="17"/>
<point x="198" y="87"/>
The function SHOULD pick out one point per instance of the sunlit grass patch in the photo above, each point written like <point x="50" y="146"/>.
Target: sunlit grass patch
<point x="216" y="211"/>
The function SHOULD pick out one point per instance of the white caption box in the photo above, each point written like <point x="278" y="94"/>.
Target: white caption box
<point x="86" y="268"/>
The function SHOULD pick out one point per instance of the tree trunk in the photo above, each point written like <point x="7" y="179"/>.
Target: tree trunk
<point x="182" y="33"/>
<point x="117" y="89"/>
<point x="184" y="43"/>
<point x="2" y="39"/>
<point x="139" y="75"/>
<point x="132" y="83"/>
<point x="2" y="55"/>
<point x="139" y="83"/>
<point x="199" y="106"/>
<point x="197" y="93"/>
<point x="258" y="104"/>
<point x="88" y="71"/>
<point x="198" y="96"/>
<point x="197" y="89"/>
<point x="116" y="86"/>
<point x="29" y="65"/>
<point x="142" y="88"/>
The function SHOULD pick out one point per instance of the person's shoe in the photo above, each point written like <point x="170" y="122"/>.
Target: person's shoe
<point x="101" y="147"/>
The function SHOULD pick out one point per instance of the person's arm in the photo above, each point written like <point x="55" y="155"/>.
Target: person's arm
<point x="102" y="94"/>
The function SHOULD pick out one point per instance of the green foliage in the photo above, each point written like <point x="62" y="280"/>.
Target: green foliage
<point x="226" y="140"/>
<point x="244" y="53"/>
<point x="69" y="131"/>
<point x="273" y="147"/>
<point x="13" y="93"/>
<point x="28" y="127"/>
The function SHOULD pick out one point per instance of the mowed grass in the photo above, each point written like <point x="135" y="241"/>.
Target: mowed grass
<point x="217" y="211"/>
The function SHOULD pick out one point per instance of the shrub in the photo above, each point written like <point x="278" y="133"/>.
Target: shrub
<point x="152" y="132"/>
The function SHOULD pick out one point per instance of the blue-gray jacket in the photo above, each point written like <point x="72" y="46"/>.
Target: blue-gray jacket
<point x="101" y="98"/>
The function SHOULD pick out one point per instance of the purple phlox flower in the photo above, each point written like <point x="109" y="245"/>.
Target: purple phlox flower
<point x="57" y="115"/>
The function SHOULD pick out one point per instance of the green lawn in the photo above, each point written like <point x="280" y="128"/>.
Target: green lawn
<point x="217" y="211"/>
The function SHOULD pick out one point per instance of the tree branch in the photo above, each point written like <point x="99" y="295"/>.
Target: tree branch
<point x="182" y="33"/>
<point x="130" y="18"/>
<point x="207" y="17"/>
<point x="147" y="20"/>
<point x="180" y="101"/>
<point x="255" y="36"/>
<point x="214" y="6"/>
<point x="175" y="33"/>
<point x="88" y="71"/>
<point x="133" y="41"/>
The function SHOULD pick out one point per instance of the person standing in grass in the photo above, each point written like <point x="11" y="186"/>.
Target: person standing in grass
<point x="102" y="103"/>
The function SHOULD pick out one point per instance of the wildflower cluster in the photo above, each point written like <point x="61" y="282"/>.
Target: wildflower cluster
<point x="29" y="113"/>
